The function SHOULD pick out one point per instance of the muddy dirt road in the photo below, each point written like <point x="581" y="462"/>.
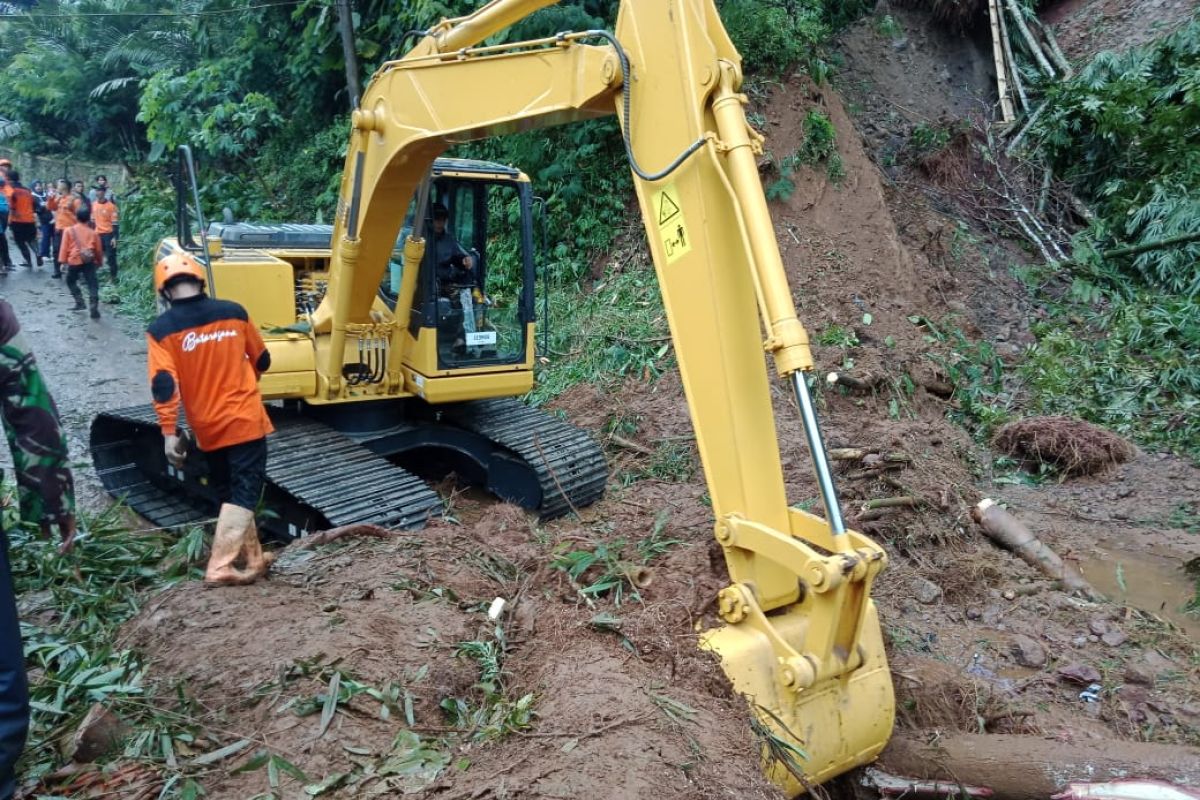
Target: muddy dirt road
<point x="89" y="364"/>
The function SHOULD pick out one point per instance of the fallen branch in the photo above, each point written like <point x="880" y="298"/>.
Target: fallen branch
<point x="356" y="529"/>
<point x="875" y="509"/>
<point x="1011" y="64"/>
<point x="1010" y="533"/>
<point x="629" y="444"/>
<point x="899" y="786"/>
<point x="1033" y="118"/>
<point x="1158" y="244"/>
<point x="1047" y="766"/>
<point x="867" y="383"/>
<point x="859" y="454"/>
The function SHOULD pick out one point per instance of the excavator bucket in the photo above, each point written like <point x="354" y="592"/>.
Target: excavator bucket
<point x="814" y="672"/>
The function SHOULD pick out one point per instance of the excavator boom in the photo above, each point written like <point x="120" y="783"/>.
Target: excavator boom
<point x="801" y="638"/>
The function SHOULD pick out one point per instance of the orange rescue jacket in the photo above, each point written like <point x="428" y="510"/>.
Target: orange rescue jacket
<point x="76" y="237"/>
<point x="209" y="354"/>
<point x="20" y="205"/>
<point x="64" y="211"/>
<point x="104" y="216"/>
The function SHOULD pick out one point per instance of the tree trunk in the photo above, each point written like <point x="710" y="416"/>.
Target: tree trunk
<point x="1031" y="767"/>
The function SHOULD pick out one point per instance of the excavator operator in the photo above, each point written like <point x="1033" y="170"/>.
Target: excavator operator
<point x="458" y="284"/>
<point x="209" y="353"/>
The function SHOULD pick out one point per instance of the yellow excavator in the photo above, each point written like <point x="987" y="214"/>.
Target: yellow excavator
<point x="800" y="637"/>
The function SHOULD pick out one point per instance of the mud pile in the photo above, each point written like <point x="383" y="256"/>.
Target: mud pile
<point x="578" y="696"/>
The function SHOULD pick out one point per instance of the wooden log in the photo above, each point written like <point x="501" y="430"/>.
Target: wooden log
<point x="1032" y="767"/>
<point x="629" y="444"/>
<point x="1010" y="533"/>
<point x="865" y="383"/>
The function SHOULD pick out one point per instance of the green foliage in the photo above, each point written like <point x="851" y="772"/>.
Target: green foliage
<point x="926" y="139"/>
<point x="982" y="402"/>
<point x="819" y="144"/>
<point x="1133" y="368"/>
<point x="1126" y="132"/>
<point x="611" y="568"/>
<point x="774" y="36"/>
<point x="72" y="624"/>
<point x="207" y="108"/>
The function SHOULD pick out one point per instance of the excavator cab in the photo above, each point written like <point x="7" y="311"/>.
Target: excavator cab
<point x="475" y="291"/>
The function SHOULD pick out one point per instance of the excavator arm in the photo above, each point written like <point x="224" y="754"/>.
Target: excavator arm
<point x="801" y="638"/>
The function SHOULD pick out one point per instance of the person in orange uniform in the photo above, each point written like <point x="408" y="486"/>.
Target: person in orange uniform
<point x="82" y="252"/>
<point x="22" y="219"/>
<point x="105" y="217"/>
<point x="64" y="206"/>
<point x="209" y="354"/>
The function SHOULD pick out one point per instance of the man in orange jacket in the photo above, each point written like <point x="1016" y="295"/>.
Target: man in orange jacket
<point x="209" y="354"/>
<point x="63" y="204"/>
<point x="81" y="252"/>
<point x="22" y="219"/>
<point x="105" y="217"/>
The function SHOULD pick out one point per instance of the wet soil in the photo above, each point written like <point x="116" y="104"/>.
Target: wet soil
<point x="1085" y="27"/>
<point x="88" y="364"/>
<point x="620" y="697"/>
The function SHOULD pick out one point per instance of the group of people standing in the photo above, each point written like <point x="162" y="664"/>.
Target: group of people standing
<point x="73" y="228"/>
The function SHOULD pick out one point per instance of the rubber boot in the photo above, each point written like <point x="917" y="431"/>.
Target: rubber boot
<point x="79" y="306"/>
<point x="228" y="540"/>
<point x="95" y="305"/>
<point x="257" y="562"/>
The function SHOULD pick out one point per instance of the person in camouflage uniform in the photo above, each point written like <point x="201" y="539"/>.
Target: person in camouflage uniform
<point x="46" y="495"/>
<point x="45" y="489"/>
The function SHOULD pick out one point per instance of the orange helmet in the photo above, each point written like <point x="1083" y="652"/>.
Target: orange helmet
<point x="176" y="265"/>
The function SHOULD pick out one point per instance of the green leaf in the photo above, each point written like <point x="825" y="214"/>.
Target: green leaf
<point x="221" y="753"/>
<point x="331" y="701"/>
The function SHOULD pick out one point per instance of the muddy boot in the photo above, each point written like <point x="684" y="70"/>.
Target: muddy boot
<point x="79" y="306"/>
<point x="228" y="540"/>
<point x="257" y="562"/>
<point x="95" y="307"/>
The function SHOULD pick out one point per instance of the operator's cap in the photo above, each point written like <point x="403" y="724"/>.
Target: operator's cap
<point x="176" y="267"/>
<point x="440" y="211"/>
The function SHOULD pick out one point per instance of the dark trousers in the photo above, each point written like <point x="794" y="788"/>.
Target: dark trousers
<point x="14" y="690"/>
<point x="25" y="235"/>
<point x="56" y="246"/>
<point x="239" y="472"/>
<point x="110" y="252"/>
<point x="47" y="231"/>
<point x="4" y="259"/>
<point x="88" y="273"/>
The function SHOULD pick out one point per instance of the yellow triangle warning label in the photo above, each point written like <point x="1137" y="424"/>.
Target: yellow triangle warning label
<point x="667" y="208"/>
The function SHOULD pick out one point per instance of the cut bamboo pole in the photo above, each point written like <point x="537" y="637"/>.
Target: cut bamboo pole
<point x="1056" y="53"/>
<point x="1018" y="84"/>
<point x="1007" y="115"/>
<point x="1036" y="49"/>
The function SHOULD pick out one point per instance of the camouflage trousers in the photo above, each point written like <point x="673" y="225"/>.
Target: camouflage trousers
<point x="45" y="489"/>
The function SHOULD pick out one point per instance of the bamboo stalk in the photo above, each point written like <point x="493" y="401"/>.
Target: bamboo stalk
<point x="1018" y="84"/>
<point x="1056" y="53"/>
<point x="1027" y="35"/>
<point x="1007" y="114"/>
<point x="1008" y="151"/>
<point x="1134" y="249"/>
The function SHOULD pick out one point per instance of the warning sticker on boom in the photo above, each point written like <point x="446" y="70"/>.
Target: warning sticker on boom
<point x="672" y="229"/>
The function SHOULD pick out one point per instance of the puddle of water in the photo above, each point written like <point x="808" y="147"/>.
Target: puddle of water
<point x="1145" y="581"/>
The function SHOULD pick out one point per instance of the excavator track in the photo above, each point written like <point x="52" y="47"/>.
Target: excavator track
<point x="570" y="468"/>
<point x="316" y="477"/>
